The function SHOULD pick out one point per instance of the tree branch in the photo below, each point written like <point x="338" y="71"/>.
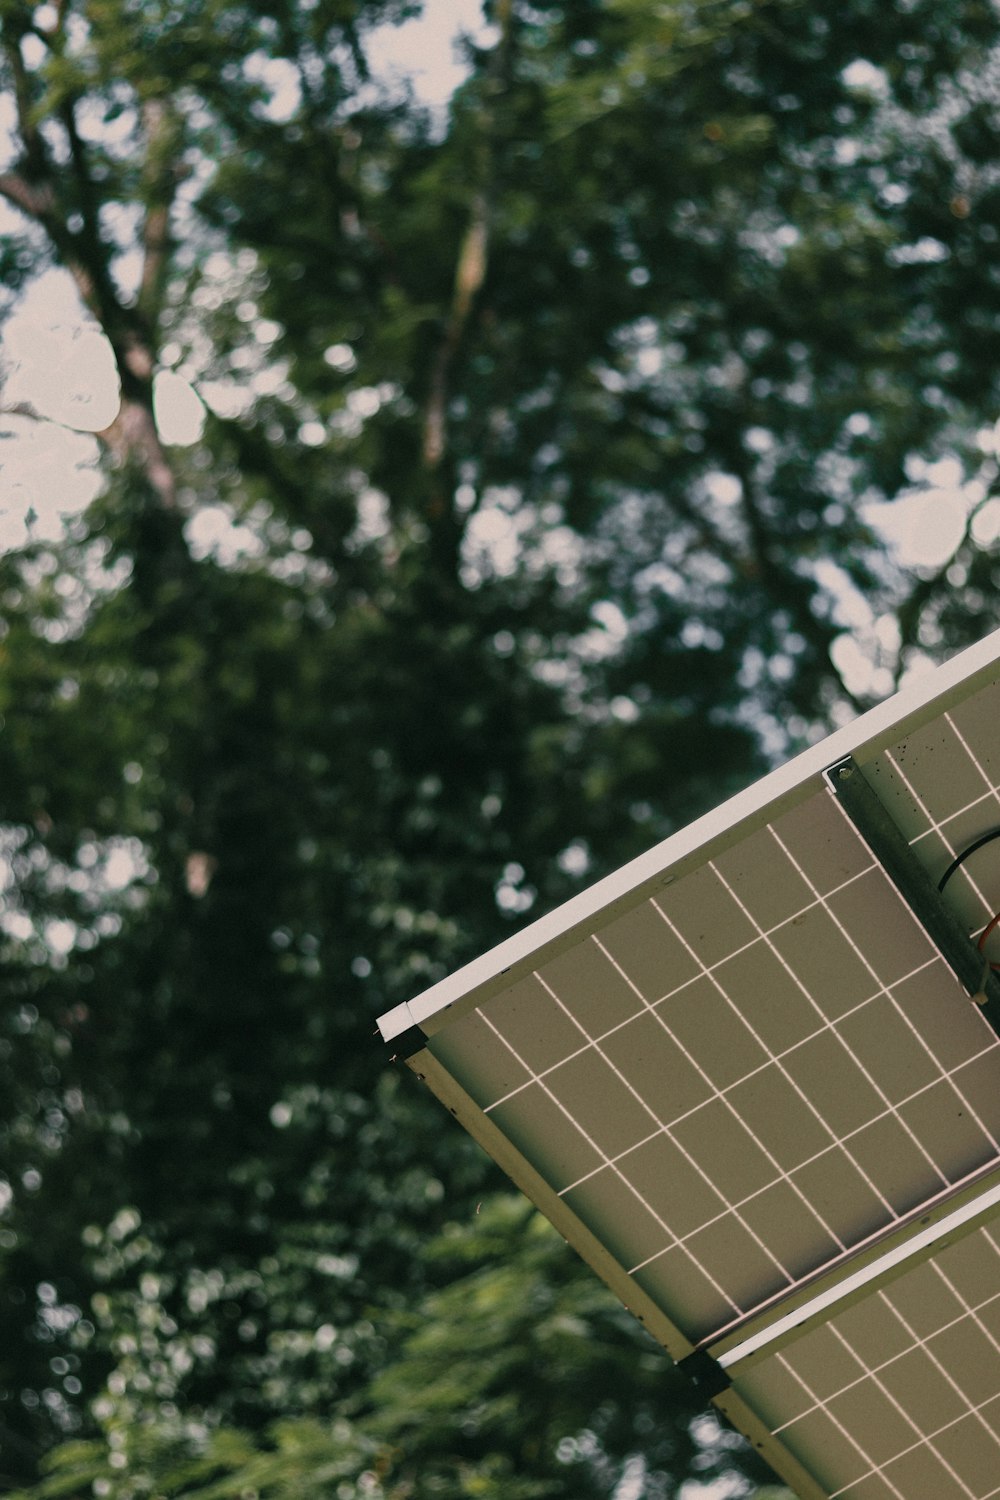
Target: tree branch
<point x="132" y="438"/>
<point x="470" y="271"/>
<point x="34" y="199"/>
<point x="469" y="276"/>
<point x="36" y="159"/>
<point x="161" y="180"/>
<point x="38" y="201"/>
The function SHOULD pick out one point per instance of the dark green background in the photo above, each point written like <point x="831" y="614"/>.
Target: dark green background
<point x="663" y="303"/>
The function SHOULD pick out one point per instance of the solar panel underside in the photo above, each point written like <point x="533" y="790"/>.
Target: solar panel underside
<point x="754" y="1068"/>
<point x="751" y="1073"/>
<point x="898" y="1396"/>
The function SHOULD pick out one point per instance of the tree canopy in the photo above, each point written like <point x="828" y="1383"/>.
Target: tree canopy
<point x="533" y="512"/>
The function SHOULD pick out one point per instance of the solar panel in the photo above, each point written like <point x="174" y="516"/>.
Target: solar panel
<point x="896" y="1396"/>
<point x="744" y="1077"/>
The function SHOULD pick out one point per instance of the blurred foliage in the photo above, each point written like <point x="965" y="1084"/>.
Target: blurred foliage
<point x="530" y="518"/>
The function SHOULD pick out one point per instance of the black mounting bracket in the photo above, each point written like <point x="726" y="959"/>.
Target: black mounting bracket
<point x="705" y="1373"/>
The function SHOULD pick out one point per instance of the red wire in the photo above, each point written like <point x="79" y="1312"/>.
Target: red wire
<point x="991" y="924"/>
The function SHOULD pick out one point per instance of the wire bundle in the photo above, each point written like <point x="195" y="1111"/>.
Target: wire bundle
<point x="956" y="864"/>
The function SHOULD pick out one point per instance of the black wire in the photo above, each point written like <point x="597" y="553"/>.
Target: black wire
<point x="960" y="859"/>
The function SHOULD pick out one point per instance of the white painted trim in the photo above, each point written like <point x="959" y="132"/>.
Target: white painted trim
<point x="396" y="1021"/>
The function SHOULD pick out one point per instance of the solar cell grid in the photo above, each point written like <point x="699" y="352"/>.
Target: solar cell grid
<point x="899" y="1395"/>
<point x="725" y="1077"/>
<point x="942" y="786"/>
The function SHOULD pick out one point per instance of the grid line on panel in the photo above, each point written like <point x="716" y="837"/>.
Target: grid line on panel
<point x="618" y="1173"/>
<point x="887" y="989"/>
<point x="927" y="1442"/>
<point x="762" y="1068"/>
<point x="811" y="1036"/>
<point x="806" y="1162"/>
<point x="937" y="826"/>
<point x="594" y="1041"/>
<point x="985" y="1232"/>
<point x="972" y="755"/>
<point x="848" y="1436"/>
<point x="925" y="1345"/>
<point x="887" y="1364"/>
<point x="855" y="1248"/>
<point x="968" y="1310"/>
<point x="835" y="1140"/>
<point x="992" y="789"/>
<point x="973" y="1409"/>
<point x="703" y="971"/>
<point x="844" y="1043"/>
<point x="922" y="1439"/>
<point x="662" y="1128"/>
